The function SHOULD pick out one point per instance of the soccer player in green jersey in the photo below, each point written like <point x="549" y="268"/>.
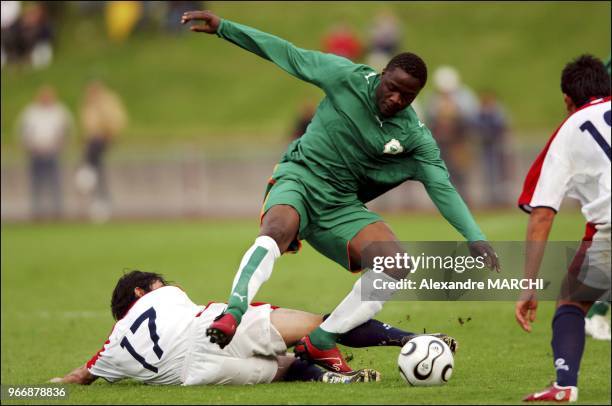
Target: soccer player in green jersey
<point x="364" y="140"/>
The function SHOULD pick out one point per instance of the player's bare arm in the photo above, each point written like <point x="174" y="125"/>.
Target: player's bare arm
<point x="210" y="21"/>
<point x="80" y="376"/>
<point x="540" y="223"/>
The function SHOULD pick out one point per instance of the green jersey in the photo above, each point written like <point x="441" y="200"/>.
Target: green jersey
<point x="353" y="151"/>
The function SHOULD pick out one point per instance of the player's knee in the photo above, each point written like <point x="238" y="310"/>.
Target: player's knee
<point x="281" y="223"/>
<point x="282" y="234"/>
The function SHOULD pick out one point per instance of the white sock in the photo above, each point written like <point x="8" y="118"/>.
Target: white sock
<point x="358" y="307"/>
<point x="255" y="269"/>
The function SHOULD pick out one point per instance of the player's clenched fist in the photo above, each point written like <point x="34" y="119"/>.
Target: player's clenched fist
<point x="211" y="21"/>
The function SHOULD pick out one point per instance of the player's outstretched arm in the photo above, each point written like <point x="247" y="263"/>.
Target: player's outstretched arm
<point x="315" y="67"/>
<point x="80" y="376"/>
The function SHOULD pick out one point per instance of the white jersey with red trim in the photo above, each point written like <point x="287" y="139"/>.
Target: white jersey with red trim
<point x="150" y="343"/>
<point x="575" y="163"/>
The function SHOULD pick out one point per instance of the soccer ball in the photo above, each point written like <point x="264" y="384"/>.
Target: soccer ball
<point x="426" y="361"/>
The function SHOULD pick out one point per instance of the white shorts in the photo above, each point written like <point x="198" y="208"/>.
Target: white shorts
<point x="249" y="359"/>
<point x="591" y="266"/>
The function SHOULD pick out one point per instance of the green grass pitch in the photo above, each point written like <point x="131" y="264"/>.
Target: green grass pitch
<point x="57" y="280"/>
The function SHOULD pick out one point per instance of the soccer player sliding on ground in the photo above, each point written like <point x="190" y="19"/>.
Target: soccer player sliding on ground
<point x="364" y="140"/>
<point x="159" y="339"/>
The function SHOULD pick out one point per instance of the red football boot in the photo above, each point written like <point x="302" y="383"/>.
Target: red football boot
<point x="555" y="393"/>
<point x="329" y="359"/>
<point x="222" y="330"/>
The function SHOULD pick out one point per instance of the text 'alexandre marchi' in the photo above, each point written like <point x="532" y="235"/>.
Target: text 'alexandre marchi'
<point x="490" y="284"/>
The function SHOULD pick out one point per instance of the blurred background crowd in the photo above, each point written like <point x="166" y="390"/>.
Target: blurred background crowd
<point x="196" y="136"/>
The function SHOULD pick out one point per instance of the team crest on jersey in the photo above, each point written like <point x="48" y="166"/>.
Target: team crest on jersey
<point x="393" y="147"/>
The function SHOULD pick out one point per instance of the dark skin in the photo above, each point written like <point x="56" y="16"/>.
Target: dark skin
<point x="397" y="90"/>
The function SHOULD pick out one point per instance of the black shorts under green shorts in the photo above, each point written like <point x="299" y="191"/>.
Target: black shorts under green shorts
<point x="329" y="219"/>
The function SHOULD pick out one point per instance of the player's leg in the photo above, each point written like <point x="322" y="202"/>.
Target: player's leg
<point x="587" y="280"/>
<point x="257" y="354"/>
<point x="278" y="229"/>
<point x="291" y="369"/>
<point x="353" y="310"/>
<point x="344" y="244"/>
<point x="374" y="333"/>
<point x="283" y="216"/>
<point x="295" y="324"/>
<point x="568" y="345"/>
<point x="568" y="339"/>
<point x="341" y="236"/>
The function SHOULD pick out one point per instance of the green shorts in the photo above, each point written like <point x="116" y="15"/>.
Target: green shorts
<point x="329" y="219"/>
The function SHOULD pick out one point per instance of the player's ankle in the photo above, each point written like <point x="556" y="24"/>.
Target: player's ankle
<point x="236" y="313"/>
<point x="322" y="339"/>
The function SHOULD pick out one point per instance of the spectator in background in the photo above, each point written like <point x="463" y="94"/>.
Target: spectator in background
<point x="491" y="127"/>
<point x="121" y="18"/>
<point x="43" y="127"/>
<point x="449" y="114"/>
<point x="307" y="112"/>
<point x="102" y="117"/>
<point x="385" y="39"/>
<point x="341" y="40"/>
<point x="37" y="34"/>
<point x="9" y="18"/>
<point x="26" y="38"/>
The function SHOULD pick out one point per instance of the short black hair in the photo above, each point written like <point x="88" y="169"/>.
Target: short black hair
<point x="585" y="78"/>
<point x="411" y="64"/>
<point x="123" y="295"/>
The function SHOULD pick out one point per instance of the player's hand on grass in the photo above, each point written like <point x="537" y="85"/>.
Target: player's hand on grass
<point x="211" y="21"/>
<point x="56" y="380"/>
<point x="525" y="310"/>
<point x="483" y="249"/>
